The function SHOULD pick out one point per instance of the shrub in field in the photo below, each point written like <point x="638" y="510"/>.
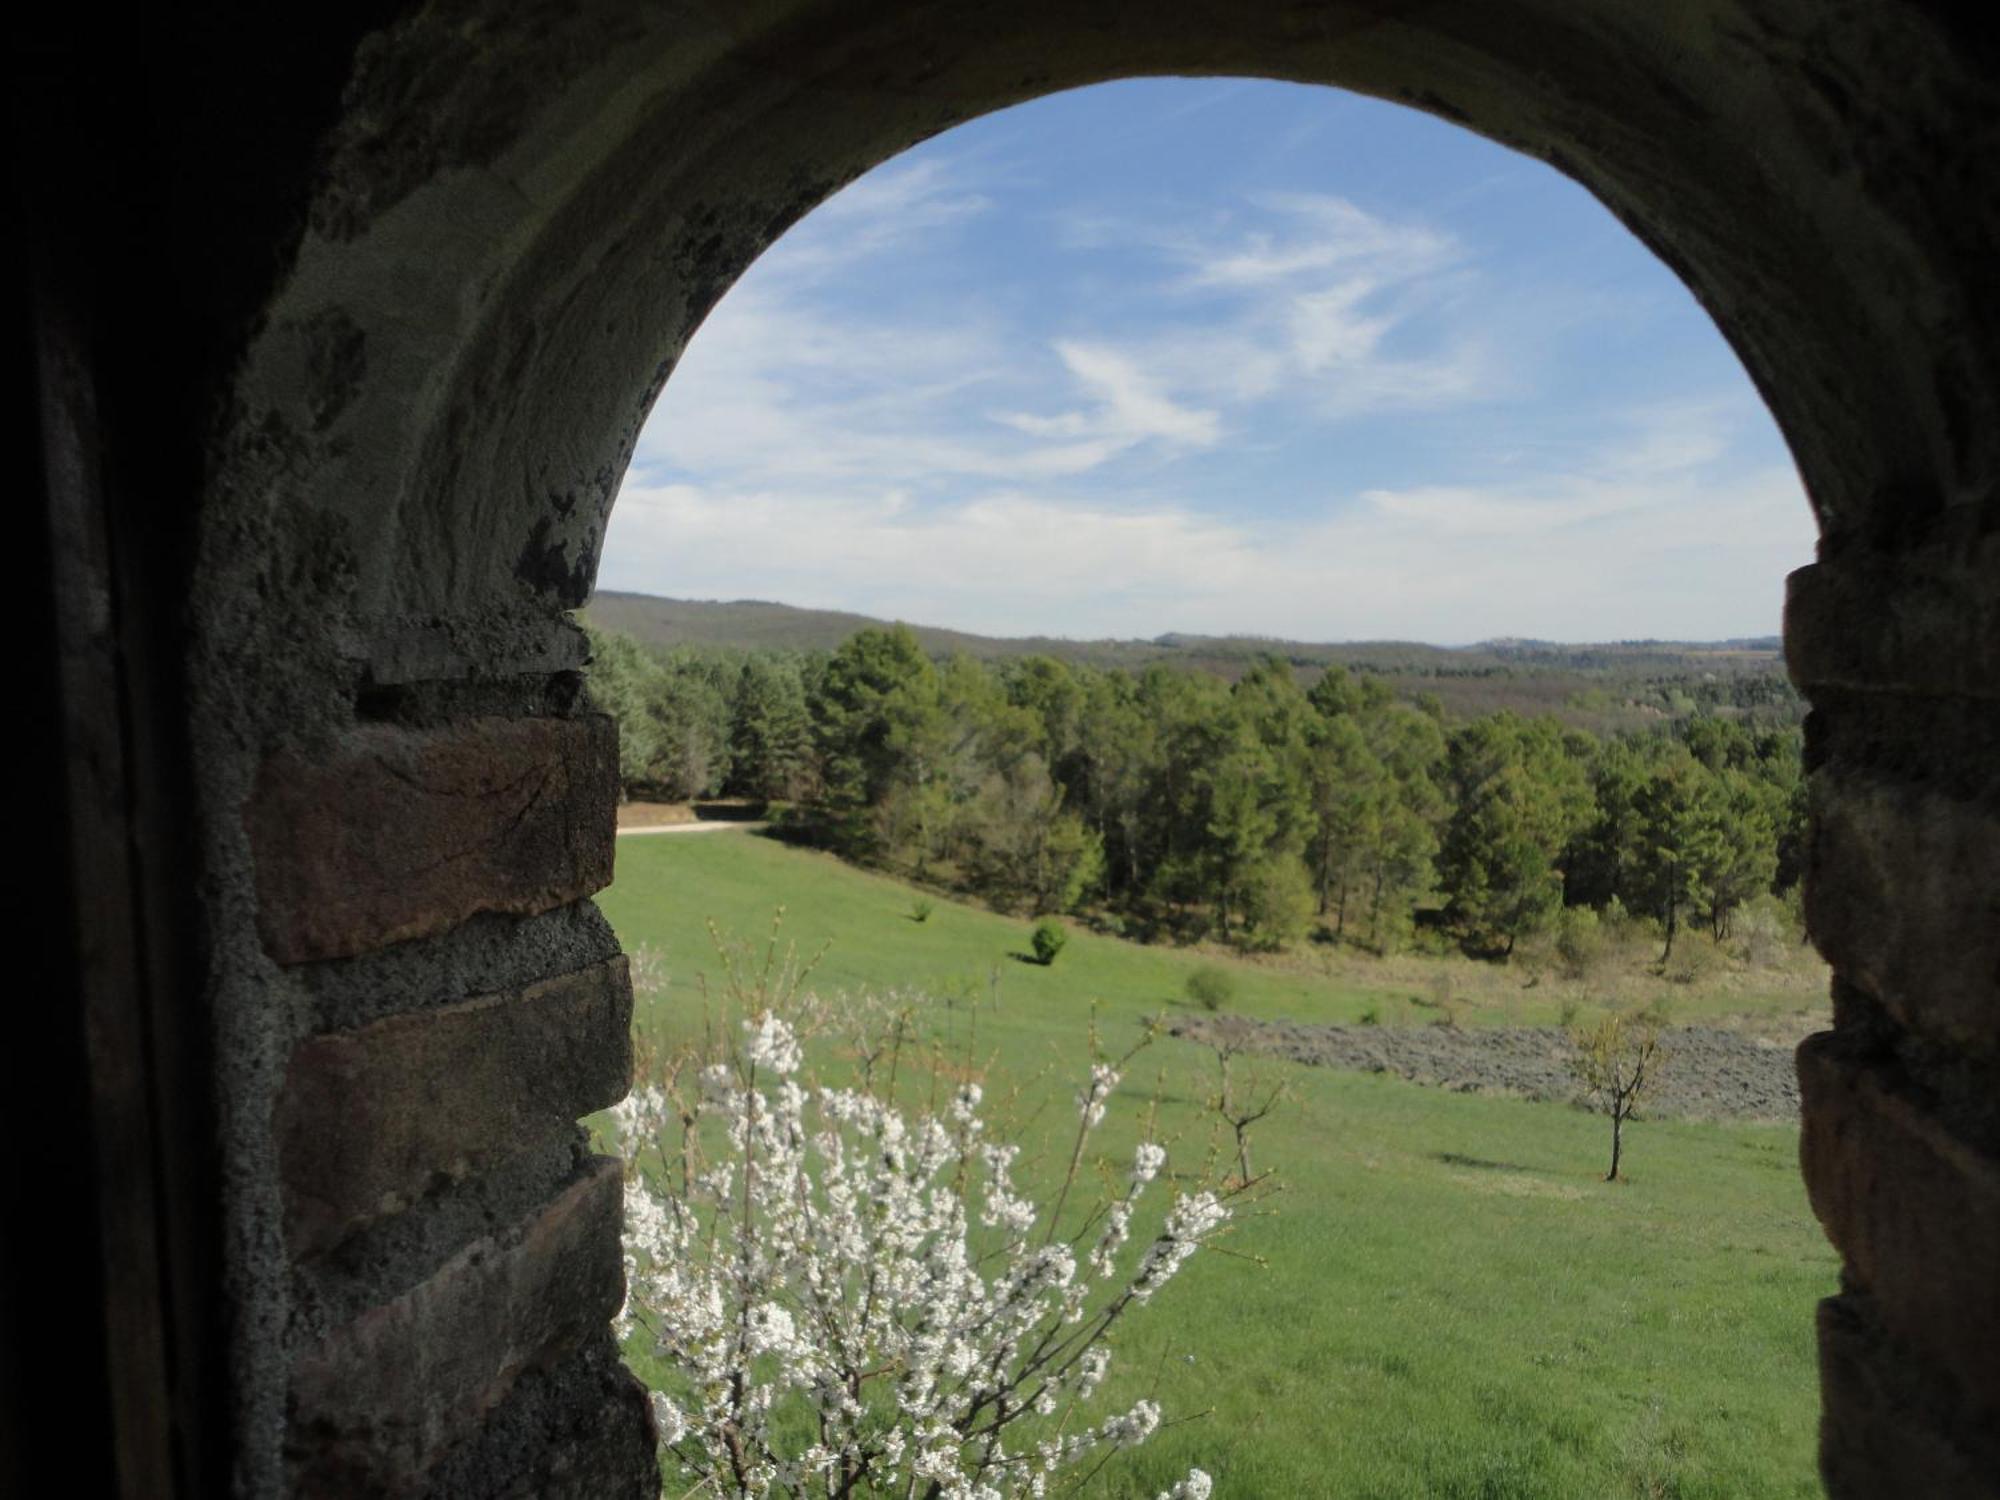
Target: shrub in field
<point x="1762" y="931"/>
<point x="1432" y="942"/>
<point x="1047" y="940"/>
<point x="1534" y="956"/>
<point x="1446" y="1001"/>
<point x="1626" y="934"/>
<point x="920" y="910"/>
<point x="1581" y="943"/>
<point x="1696" y="957"/>
<point x="849" y="1300"/>
<point x="1210" y="987"/>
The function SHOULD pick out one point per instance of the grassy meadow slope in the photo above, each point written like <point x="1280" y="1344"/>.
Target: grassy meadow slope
<point x="1451" y="1304"/>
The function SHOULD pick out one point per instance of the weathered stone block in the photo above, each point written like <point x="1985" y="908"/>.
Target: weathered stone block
<point x="402" y="833"/>
<point x="1922" y="620"/>
<point x="1914" y="1211"/>
<point x="580" y="1431"/>
<point x="371" y="1119"/>
<point x="1883" y="1427"/>
<point x="379" y="1400"/>
<point x="1903" y="897"/>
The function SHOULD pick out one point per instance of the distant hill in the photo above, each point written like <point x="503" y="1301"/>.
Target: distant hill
<point x="758" y="625"/>
<point x="1600" y="686"/>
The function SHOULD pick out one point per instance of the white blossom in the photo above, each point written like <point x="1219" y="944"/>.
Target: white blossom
<point x="1147" y="1161"/>
<point x="965" y="1105"/>
<point x="834" y="1267"/>
<point x="640" y="1116"/>
<point x="1191" y="1220"/>
<point x="1090" y="1102"/>
<point x="1090" y="1373"/>
<point x="1134" y="1427"/>
<point x="772" y="1045"/>
<point x="668" y="1420"/>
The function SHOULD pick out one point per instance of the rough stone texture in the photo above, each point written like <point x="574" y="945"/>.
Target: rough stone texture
<point x="1914" y="1211"/>
<point x="1904" y="900"/>
<point x="376" y="1402"/>
<point x="383" y="1259"/>
<point x="1884" y="1430"/>
<point x="430" y="650"/>
<point x="579" y="1431"/>
<point x="481" y="956"/>
<point x="399" y="834"/>
<point x="1921" y="619"/>
<point x="372" y="1119"/>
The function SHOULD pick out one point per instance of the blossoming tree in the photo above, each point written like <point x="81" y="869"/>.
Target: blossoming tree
<point x="852" y="1301"/>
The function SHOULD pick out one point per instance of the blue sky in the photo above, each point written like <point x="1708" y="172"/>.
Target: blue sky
<point x="1217" y="356"/>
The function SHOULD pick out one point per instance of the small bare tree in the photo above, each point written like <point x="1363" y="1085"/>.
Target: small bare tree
<point x="1239" y="1103"/>
<point x="1617" y="1061"/>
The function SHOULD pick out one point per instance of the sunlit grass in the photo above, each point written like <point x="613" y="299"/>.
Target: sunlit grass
<point x="1451" y="1303"/>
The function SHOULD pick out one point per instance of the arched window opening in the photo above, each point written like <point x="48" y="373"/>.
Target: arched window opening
<point x="432" y="277"/>
<point x="1247" y="453"/>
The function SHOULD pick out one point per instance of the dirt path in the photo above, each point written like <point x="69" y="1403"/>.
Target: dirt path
<point x="717" y="826"/>
<point x="1710" y="1073"/>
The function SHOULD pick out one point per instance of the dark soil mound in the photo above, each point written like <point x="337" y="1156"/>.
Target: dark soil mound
<point x="1709" y="1073"/>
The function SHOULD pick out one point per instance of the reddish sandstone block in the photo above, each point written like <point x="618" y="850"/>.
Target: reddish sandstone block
<point x="1914" y="1211"/>
<point x="403" y="833"/>
<point x="379" y="1400"/>
<point x="372" y="1119"/>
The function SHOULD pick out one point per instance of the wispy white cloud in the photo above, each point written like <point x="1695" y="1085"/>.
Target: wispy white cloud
<point x="1613" y="551"/>
<point x="1654" y="462"/>
<point x="1312" y="302"/>
<point x="887" y="209"/>
<point x="1129" y="405"/>
<point x="833" y="437"/>
<point x="786" y="381"/>
<point x="1318" y="235"/>
<point x="778" y="390"/>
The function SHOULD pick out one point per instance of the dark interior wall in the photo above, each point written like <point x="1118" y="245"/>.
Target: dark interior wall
<point x="368" y="308"/>
<point x="145" y="222"/>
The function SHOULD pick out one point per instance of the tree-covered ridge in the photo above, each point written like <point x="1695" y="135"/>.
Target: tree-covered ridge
<point x="1605" y="688"/>
<point x="1255" y="810"/>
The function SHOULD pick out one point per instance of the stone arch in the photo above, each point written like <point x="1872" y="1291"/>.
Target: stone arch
<point x="515" y="231"/>
<point x="515" y="218"/>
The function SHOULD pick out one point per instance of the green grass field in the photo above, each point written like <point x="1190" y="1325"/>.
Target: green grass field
<point x="1451" y="1304"/>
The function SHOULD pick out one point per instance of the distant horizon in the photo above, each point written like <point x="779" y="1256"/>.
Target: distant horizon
<point x="1245" y="356"/>
<point x="1774" y="638"/>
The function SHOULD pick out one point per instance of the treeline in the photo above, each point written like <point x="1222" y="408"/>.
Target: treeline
<point x="1258" y="810"/>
